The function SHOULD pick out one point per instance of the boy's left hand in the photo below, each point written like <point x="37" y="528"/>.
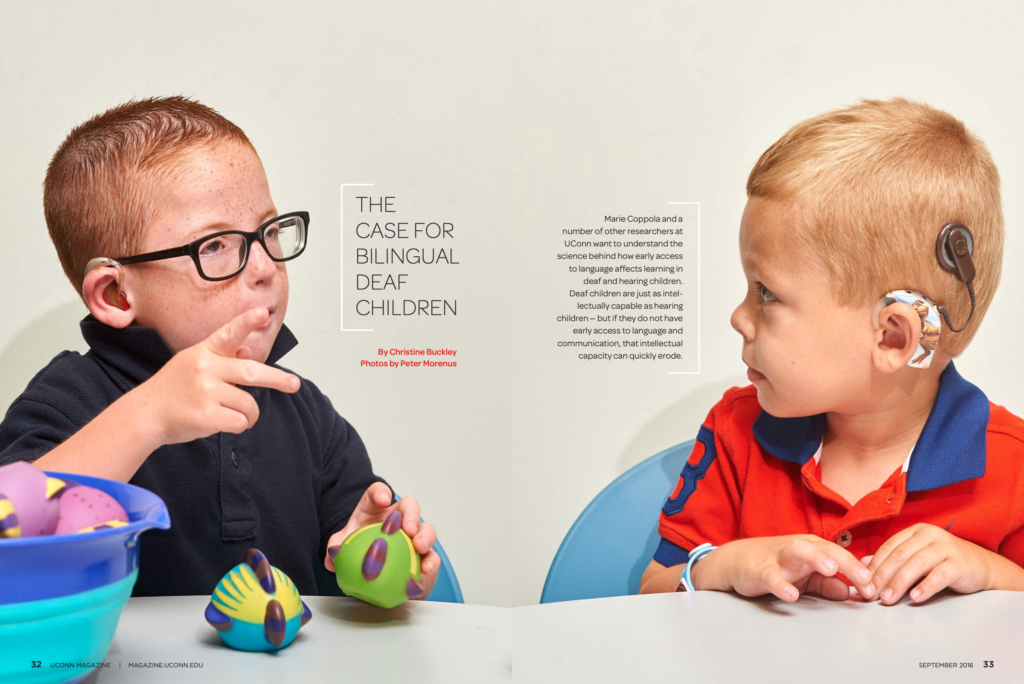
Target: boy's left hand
<point x="375" y="507"/>
<point x="941" y="558"/>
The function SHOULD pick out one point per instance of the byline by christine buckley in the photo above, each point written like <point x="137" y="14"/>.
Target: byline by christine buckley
<point x="421" y="352"/>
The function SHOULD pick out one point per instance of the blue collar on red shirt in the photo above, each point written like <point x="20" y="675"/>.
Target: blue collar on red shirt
<point x="139" y="352"/>
<point x="950" y="449"/>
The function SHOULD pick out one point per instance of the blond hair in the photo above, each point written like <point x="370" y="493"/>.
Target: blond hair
<point x="872" y="185"/>
<point x="98" y="194"/>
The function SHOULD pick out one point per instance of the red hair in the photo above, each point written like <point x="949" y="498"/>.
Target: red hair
<point x="98" y="194"/>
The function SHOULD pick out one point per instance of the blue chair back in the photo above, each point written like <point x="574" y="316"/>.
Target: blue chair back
<point x="446" y="589"/>
<point x="613" y="540"/>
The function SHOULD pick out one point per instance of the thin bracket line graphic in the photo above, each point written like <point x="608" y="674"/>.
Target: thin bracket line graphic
<point x="341" y="269"/>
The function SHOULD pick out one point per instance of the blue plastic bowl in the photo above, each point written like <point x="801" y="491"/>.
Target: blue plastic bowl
<point x="61" y="596"/>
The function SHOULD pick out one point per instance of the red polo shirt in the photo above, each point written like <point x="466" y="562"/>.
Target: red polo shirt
<point x="751" y="474"/>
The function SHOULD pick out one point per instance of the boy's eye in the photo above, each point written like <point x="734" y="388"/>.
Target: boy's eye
<point x="210" y="248"/>
<point x="767" y="296"/>
<point x="271" y="233"/>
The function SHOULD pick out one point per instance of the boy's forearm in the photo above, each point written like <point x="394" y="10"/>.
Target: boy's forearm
<point x="112" y="445"/>
<point x="661" y="580"/>
<point x="708" y="573"/>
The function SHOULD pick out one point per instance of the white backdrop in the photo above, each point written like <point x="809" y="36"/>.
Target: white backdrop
<point x="516" y="119"/>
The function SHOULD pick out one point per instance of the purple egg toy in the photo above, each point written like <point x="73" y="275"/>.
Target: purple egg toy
<point x="85" y="509"/>
<point x="29" y="500"/>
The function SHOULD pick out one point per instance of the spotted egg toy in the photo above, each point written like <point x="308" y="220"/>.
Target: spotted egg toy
<point x="86" y="509"/>
<point x="29" y="500"/>
<point x="378" y="564"/>
<point x="256" y="607"/>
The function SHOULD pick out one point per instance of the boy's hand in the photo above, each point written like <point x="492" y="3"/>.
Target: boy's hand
<point x="375" y="507"/>
<point x="788" y="566"/>
<point x="942" y="558"/>
<point x="195" y="395"/>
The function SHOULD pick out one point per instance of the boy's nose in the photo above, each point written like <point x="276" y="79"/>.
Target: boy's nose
<point x="741" y="323"/>
<point x="260" y="267"/>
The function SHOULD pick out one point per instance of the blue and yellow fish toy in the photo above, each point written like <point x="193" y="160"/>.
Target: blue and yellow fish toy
<point x="256" y="607"/>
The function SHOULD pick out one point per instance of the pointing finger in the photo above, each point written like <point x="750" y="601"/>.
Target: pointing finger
<point x="255" y="374"/>
<point x="226" y="340"/>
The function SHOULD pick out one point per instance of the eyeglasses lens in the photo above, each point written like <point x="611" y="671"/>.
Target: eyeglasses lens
<point x="285" y="238"/>
<point x="223" y="255"/>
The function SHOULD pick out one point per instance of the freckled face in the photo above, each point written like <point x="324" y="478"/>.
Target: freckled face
<point x="810" y="355"/>
<point x="214" y="189"/>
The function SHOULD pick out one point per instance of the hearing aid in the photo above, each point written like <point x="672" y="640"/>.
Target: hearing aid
<point x="113" y="294"/>
<point x="115" y="297"/>
<point x="954" y="247"/>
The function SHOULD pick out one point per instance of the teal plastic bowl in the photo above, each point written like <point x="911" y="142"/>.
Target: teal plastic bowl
<point x="61" y="596"/>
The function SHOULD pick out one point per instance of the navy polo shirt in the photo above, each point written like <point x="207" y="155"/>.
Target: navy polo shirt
<point x="284" y="486"/>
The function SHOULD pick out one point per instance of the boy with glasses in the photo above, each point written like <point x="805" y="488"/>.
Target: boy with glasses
<point x="163" y="221"/>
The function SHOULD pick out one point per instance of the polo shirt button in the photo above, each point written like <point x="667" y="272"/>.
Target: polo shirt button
<point x="234" y="458"/>
<point x="845" y="539"/>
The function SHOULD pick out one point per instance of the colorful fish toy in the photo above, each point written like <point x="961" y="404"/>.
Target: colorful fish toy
<point x="378" y="564"/>
<point x="256" y="607"/>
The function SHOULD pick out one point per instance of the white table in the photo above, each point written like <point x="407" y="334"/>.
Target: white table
<point x="684" y="638"/>
<point x="346" y="641"/>
<point x="717" y="637"/>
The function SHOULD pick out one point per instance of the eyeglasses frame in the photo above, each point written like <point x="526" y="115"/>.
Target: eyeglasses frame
<point x="192" y="248"/>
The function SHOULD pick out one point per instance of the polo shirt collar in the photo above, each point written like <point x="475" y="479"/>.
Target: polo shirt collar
<point x="140" y="352"/>
<point x="950" y="449"/>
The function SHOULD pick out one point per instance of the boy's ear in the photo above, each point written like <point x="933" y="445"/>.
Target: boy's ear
<point x="105" y="296"/>
<point x="896" y="337"/>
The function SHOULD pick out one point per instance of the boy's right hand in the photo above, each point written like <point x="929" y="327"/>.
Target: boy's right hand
<point x="195" y="395"/>
<point x="788" y="566"/>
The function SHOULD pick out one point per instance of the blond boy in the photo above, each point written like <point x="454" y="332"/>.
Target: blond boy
<point x="859" y="462"/>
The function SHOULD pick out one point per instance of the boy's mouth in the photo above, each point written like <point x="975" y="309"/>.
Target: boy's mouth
<point x="270" y="319"/>
<point x="752" y="374"/>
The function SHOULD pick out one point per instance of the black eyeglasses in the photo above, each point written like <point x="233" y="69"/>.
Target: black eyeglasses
<point x="223" y="255"/>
